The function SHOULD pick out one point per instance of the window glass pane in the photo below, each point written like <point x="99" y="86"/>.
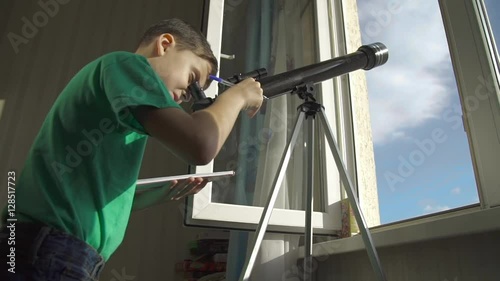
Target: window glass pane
<point x="493" y="10"/>
<point x="493" y="14"/>
<point x="278" y="36"/>
<point x="422" y="154"/>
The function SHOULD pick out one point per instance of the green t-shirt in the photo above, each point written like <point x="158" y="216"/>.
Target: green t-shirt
<point x="81" y="171"/>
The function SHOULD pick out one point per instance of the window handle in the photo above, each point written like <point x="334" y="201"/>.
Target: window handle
<point x="227" y="57"/>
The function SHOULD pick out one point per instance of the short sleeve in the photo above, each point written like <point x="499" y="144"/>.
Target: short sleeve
<point x="132" y="82"/>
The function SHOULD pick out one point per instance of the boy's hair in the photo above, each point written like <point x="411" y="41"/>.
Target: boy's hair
<point x="187" y="38"/>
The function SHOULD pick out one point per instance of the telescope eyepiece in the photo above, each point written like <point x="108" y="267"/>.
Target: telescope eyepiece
<point x="196" y="92"/>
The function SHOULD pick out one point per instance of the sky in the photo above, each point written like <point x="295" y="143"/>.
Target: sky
<point x="422" y="155"/>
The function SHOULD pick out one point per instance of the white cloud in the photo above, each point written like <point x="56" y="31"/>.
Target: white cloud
<point x="409" y="89"/>
<point x="430" y="205"/>
<point x="397" y="135"/>
<point x="435" y="208"/>
<point x="456" y="190"/>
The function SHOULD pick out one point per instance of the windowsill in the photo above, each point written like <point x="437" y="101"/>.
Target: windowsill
<point x="452" y="223"/>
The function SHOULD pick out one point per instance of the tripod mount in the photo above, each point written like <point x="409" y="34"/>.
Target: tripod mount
<point x="309" y="110"/>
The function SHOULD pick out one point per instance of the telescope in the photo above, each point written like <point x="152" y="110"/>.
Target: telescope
<point x="300" y="81"/>
<point x="366" y="57"/>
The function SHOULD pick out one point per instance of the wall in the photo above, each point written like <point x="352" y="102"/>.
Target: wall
<point x="462" y="258"/>
<point x="33" y="72"/>
<point x="365" y="158"/>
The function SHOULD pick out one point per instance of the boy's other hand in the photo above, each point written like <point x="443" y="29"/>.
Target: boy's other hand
<point x="251" y="92"/>
<point x="174" y="190"/>
<point x="182" y="188"/>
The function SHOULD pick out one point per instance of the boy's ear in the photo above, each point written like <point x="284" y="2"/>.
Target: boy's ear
<point x="164" y="42"/>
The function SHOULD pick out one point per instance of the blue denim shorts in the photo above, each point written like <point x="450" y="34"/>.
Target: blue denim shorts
<point x="43" y="253"/>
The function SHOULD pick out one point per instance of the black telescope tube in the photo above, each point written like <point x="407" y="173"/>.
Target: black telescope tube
<point x="256" y="74"/>
<point x="366" y="57"/>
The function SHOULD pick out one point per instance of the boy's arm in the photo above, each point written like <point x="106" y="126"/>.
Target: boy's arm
<point x="198" y="137"/>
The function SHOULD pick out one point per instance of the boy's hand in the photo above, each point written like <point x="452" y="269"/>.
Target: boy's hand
<point x="251" y="92"/>
<point x="183" y="188"/>
<point x="175" y="190"/>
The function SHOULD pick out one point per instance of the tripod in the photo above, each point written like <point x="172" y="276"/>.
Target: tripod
<point x="308" y="110"/>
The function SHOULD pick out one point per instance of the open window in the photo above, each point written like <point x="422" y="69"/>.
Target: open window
<point x="282" y="36"/>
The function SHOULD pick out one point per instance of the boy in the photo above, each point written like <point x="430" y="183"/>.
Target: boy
<point x="76" y="191"/>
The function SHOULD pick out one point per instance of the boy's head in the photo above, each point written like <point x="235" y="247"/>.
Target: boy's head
<point x="179" y="54"/>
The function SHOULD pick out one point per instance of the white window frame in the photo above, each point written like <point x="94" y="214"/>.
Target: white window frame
<point x="473" y="55"/>
<point x="472" y="51"/>
<point x="201" y="211"/>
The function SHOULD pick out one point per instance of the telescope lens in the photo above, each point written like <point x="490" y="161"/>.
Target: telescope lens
<point x="377" y="54"/>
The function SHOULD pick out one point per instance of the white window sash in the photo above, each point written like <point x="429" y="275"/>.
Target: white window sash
<point x="476" y="74"/>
